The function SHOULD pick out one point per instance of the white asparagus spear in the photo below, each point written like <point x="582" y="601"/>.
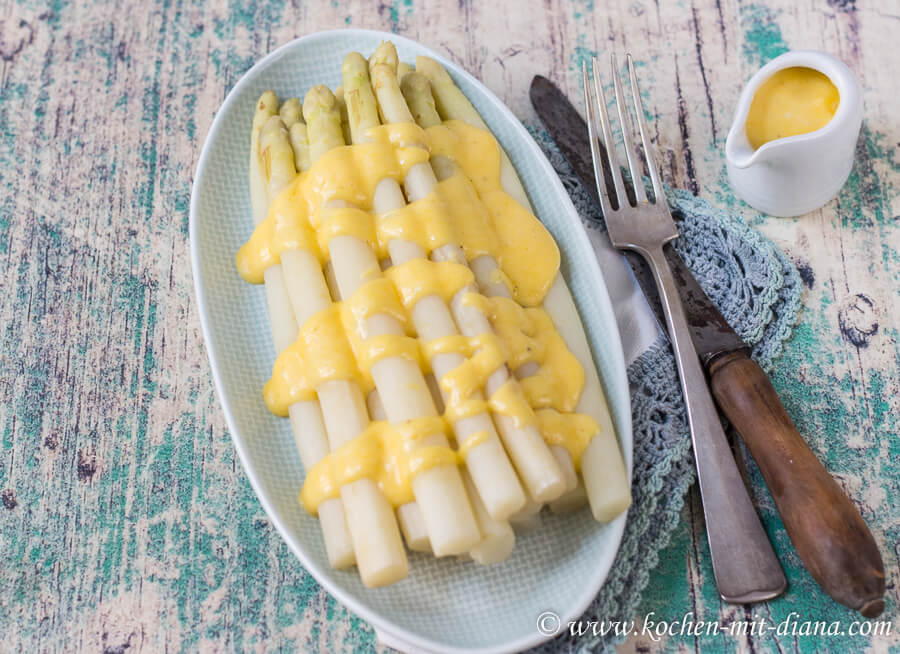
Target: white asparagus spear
<point x="439" y="491"/>
<point x="362" y="114"/>
<point x="342" y="106"/>
<point x="606" y="482"/>
<point x="564" y="459"/>
<point x="534" y="461"/>
<point x="412" y="524"/>
<point x="281" y="317"/>
<point x="385" y="54"/>
<point x="452" y="104"/>
<point x="306" y="417"/>
<point x="529" y="517"/>
<point x="435" y="389"/>
<point x="266" y="107"/>
<point x="488" y="464"/>
<point x="603" y="469"/>
<point x="380" y="555"/>
<point x="291" y="112"/>
<point x="292" y="116"/>
<point x="300" y="145"/>
<point x="374" y="533"/>
<point x="409" y="516"/>
<point x="498" y="538"/>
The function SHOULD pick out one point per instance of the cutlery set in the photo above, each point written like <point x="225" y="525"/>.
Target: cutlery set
<point x="714" y="364"/>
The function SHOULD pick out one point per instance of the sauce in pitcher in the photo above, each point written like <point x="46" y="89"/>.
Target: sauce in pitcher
<point x="793" y="101"/>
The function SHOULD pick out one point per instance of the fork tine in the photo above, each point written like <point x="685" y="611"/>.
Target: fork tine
<point x="595" y="144"/>
<point x="645" y="138"/>
<point x="634" y="163"/>
<point x="615" y="171"/>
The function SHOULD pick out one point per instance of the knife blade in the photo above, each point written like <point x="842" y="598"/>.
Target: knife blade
<point x="711" y="333"/>
<point x="827" y="531"/>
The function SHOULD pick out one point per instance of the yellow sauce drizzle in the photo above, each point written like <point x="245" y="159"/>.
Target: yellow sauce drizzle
<point x="285" y="228"/>
<point x="428" y="222"/>
<point x="330" y="346"/>
<point x="793" y="101"/>
<point x="506" y="401"/>
<point x="418" y="278"/>
<point x="470" y="376"/>
<point x="525" y="250"/>
<point x="470" y="209"/>
<point x="375" y="297"/>
<point x="349" y="173"/>
<point x="571" y="430"/>
<point x="529" y="336"/>
<point x="372" y="350"/>
<point x="321" y="353"/>
<point x="472" y="440"/>
<point x="381" y="453"/>
<point x="332" y="222"/>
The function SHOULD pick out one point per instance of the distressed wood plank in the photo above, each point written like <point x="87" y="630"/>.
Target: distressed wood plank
<point x="125" y="520"/>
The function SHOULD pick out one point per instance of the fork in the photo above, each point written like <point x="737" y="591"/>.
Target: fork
<point x="744" y="563"/>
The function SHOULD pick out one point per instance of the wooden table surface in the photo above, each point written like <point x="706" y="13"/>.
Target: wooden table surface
<point x="126" y="522"/>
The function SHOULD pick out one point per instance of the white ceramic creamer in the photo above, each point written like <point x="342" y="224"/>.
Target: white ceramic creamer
<point x="796" y="174"/>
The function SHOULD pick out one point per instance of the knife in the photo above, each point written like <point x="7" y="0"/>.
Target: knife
<point x="824" y="526"/>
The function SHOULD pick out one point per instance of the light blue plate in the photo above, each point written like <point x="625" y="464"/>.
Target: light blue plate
<point x="444" y="605"/>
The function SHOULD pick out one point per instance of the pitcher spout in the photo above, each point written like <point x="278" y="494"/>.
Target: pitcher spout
<point x="740" y="154"/>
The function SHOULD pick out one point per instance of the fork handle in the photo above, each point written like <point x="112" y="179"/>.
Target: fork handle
<point x="744" y="563"/>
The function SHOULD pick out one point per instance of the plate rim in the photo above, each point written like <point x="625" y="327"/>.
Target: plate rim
<point x="625" y="431"/>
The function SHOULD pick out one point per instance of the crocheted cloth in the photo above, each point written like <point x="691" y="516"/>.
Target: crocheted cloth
<point x="758" y="290"/>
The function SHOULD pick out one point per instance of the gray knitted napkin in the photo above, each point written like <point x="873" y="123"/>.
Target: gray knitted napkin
<point x="758" y="290"/>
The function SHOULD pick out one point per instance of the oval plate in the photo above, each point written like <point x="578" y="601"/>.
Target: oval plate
<point x="444" y="605"/>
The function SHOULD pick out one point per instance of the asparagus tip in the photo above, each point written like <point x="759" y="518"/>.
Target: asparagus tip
<point x="270" y="131"/>
<point x="291" y="111"/>
<point x="267" y="100"/>
<point x="353" y="60"/>
<point x="414" y="82"/>
<point x="431" y="69"/>
<point x="318" y="98"/>
<point x="385" y="54"/>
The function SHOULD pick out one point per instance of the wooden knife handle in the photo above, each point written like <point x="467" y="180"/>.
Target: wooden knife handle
<point x="826" y="529"/>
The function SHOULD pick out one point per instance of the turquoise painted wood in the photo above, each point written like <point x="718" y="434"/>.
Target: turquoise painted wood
<point x="126" y="523"/>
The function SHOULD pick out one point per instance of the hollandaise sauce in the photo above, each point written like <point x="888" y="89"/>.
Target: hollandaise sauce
<point x="793" y="101"/>
<point x="469" y="208"/>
